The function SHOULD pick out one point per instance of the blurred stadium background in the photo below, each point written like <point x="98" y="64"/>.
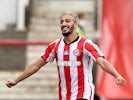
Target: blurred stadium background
<point x="26" y="28"/>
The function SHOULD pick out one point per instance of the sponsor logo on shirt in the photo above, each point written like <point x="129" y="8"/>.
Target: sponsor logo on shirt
<point x="69" y="63"/>
<point x="66" y="53"/>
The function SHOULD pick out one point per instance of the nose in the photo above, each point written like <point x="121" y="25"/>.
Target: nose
<point x="63" y="23"/>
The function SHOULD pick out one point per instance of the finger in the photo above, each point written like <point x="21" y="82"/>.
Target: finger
<point x="121" y="82"/>
<point x="9" y="85"/>
<point x="8" y="82"/>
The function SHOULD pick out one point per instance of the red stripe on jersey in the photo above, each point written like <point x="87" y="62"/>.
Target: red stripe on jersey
<point x="92" y="50"/>
<point x="67" y="72"/>
<point x="80" y="70"/>
<point x="55" y="52"/>
<point x="48" y="51"/>
<point x="56" y="48"/>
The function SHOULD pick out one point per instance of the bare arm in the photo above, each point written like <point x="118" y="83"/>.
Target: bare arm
<point x="106" y="66"/>
<point x="31" y="69"/>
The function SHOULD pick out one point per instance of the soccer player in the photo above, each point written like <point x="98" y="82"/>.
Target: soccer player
<point x="74" y="56"/>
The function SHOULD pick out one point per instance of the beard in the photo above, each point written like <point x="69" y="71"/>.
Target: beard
<point x="69" y="32"/>
<point x="66" y="34"/>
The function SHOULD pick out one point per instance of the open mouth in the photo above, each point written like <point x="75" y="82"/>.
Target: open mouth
<point x="65" y="28"/>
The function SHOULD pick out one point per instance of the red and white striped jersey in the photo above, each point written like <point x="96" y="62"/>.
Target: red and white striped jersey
<point x="74" y="63"/>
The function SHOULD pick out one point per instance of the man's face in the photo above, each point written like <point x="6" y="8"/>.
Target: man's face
<point x="67" y="25"/>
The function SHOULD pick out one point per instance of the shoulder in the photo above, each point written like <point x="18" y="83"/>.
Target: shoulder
<point x="89" y="41"/>
<point x="55" y="42"/>
<point x="89" y="44"/>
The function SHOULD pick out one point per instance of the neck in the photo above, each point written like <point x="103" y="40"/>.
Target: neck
<point x="70" y="38"/>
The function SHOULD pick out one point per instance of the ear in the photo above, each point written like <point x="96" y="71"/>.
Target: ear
<point x="76" y="25"/>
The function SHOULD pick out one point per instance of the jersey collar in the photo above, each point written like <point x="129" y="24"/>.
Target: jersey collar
<point x="72" y="41"/>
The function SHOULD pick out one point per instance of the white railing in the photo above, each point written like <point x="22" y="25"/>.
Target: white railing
<point x="21" y="14"/>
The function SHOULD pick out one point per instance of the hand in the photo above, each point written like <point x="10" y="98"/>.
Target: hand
<point x="120" y="81"/>
<point x="9" y="83"/>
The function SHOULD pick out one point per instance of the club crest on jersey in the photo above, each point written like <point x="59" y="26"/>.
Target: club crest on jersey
<point x="76" y="52"/>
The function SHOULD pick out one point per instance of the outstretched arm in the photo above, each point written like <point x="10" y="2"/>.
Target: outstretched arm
<point x="106" y="66"/>
<point x="31" y="69"/>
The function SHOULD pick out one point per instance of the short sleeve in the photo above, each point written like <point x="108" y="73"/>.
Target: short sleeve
<point x="93" y="50"/>
<point x="48" y="55"/>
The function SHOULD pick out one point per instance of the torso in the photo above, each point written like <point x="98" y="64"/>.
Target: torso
<point x="75" y="69"/>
